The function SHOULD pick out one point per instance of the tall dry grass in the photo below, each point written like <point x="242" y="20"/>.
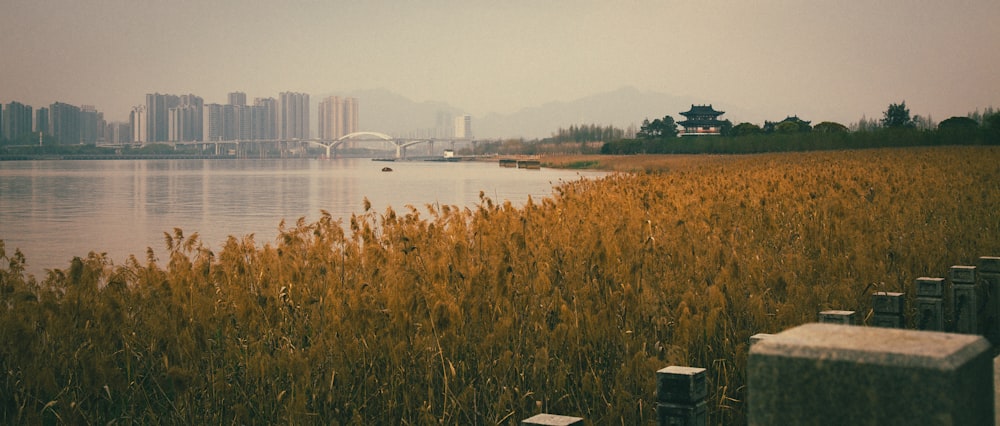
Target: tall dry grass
<point x="490" y="314"/>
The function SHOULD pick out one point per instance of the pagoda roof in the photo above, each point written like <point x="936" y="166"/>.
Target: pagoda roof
<point x="702" y="110"/>
<point x="790" y="118"/>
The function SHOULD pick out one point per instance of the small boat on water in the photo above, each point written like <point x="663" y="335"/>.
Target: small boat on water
<point x="387" y="169"/>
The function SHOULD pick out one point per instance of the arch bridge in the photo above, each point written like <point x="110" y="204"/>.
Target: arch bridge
<point x="366" y="136"/>
<point x="332" y="144"/>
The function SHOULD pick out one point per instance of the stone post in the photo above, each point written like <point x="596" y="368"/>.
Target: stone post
<point x="988" y="271"/>
<point x="963" y="299"/>
<point x="552" y="420"/>
<point x="930" y="303"/>
<point x="838" y="317"/>
<point x="833" y="374"/>
<point x="888" y="309"/>
<point x="680" y="396"/>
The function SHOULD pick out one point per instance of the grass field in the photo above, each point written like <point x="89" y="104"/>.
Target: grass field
<point x="491" y="314"/>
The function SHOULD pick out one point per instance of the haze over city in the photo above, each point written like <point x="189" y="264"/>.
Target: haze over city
<point x="769" y="59"/>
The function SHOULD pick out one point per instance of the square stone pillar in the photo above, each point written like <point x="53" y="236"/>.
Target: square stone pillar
<point x="680" y="396"/>
<point x="835" y="374"/>
<point x="965" y="307"/>
<point x="988" y="272"/>
<point x="964" y="300"/>
<point x="930" y="303"/>
<point x="888" y="308"/>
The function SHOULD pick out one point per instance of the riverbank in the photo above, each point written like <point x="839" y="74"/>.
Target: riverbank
<point x="630" y="163"/>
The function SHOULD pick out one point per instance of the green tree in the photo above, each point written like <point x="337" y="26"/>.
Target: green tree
<point x="958" y="123"/>
<point x="746" y="129"/>
<point x="726" y="128"/>
<point x="156" y="149"/>
<point x="787" y="127"/>
<point x="658" y="128"/>
<point x="897" y="116"/>
<point x="830" y="127"/>
<point x="959" y="130"/>
<point x="991" y="127"/>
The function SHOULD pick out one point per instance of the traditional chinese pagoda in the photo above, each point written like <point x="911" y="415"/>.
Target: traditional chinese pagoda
<point x="701" y="120"/>
<point x="802" y="125"/>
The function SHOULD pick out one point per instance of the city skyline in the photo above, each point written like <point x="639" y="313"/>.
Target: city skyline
<point x="182" y="118"/>
<point x="775" y="58"/>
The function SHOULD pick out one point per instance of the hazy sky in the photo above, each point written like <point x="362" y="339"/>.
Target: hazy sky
<point x="823" y="60"/>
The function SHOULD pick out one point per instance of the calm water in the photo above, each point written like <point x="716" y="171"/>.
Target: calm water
<point x="54" y="210"/>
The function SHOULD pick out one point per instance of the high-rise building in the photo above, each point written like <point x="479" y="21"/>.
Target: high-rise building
<point x="118" y="133"/>
<point x="212" y="123"/>
<point x="137" y="124"/>
<point x="42" y="120"/>
<point x="293" y="116"/>
<point x="265" y="118"/>
<point x="90" y="126"/>
<point x="16" y="120"/>
<point x="463" y="127"/>
<point x="64" y="123"/>
<point x="238" y="99"/>
<point x="326" y="123"/>
<point x="337" y="117"/>
<point x="350" y="115"/>
<point x="229" y="131"/>
<point x="244" y="122"/>
<point x="444" y="125"/>
<point x="184" y="121"/>
<point x="158" y="116"/>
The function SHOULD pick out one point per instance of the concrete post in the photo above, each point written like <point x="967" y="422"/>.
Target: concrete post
<point x="835" y="374"/>
<point x="930" y="303"/>
<point x="680" y="396"/>
<point x="964" y="302"/>
<point x="888" y="309"/>
<point x="988" y="271"/>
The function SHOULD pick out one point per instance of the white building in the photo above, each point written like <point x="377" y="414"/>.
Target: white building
<point x="293" y="116"/>
<point x="463" y="127"/>
<point x="337" y="117"/>
<point x="137" y="122"/>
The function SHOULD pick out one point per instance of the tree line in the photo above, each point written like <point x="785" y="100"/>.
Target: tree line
<point x="897" y="128"/>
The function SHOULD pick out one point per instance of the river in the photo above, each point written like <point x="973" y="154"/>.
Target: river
<point x="55" y="210"/>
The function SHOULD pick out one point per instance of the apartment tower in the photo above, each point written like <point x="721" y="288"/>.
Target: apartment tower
<point x="293" y="116"/>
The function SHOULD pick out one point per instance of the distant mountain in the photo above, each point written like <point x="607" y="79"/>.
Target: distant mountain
<point x="620" y="108"/>
<point x="383" y="111"/>
<point x="387" y="112"/>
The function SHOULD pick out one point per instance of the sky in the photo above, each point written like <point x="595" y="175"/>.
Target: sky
<point x="821" y="60"/>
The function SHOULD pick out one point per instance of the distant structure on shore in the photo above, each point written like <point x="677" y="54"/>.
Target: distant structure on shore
<point x="463" y="127"/>
<point x="796" y="123"/>
<point x="701" y="120"/>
